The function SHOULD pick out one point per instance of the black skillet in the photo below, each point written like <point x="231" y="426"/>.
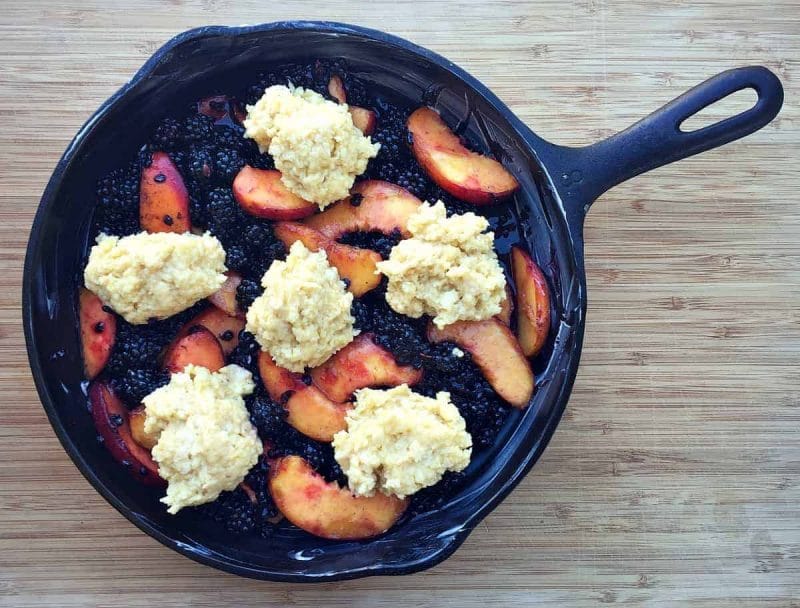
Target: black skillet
<point x="558" y="186"/>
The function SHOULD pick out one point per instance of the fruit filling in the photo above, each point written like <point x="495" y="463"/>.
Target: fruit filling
<point x="297" y="307"/>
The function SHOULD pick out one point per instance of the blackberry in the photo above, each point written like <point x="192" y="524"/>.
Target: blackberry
<point x="229" y="137"/>
<point x="235" y="258"/>
<point x="198" y="210"/>
<point x="451" y="203"/>
<point x="225" y="215"/>
<point x="413" y="179"/>
<point x="433" y="497"/>
<point x="118" y="202"/>
<point x="247" y="291"/>
<point x="257" y="160"/>
<point x="135" y="347"/>
<point x="268" y="417"/>
<point x="440" y="357"/>
<point x="235" y="510"/>
<point x="390" y="132"/>
<point x="246" y="353"/>
<point x="256" y="479"/>
<point x="374" y="240"/>
<point x="199" y="163"/>
<point x="356" y="91"/>
<point x="198" y="128"/>
<point x="167" y="135"/>
<point x="227" y="163"/>
<point x="135" y="384"/>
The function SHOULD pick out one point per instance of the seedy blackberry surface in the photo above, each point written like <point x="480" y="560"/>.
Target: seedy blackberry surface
<point x="247" y="291"/>
<point x="117" y="210"/>
<point x="235" y="510"/>
<point x="377" y="241"/>
<point x="135" y="384"/>
<point x="235" y="258"/>
<point x="231" y="138"/>
<point x="390" y="133"/>
<point x="209" y="156"/>
<point x="135" y="347"/>
<point x="168" y="135"/>
<point x="432" y="498"/>
<point x="227" y="163"/>
<point x="246" y="354"/>
<point x="198" y="163"/>
<point x="198" y="128"/>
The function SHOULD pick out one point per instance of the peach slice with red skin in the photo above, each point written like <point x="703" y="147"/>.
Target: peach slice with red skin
<point x="260" y="192"/>
<point x="336" y="89"/>
<point x="323" y="508"/>
<point x="198" y="346"/>
<point x="136" y="420"/>
<point x="356" y="265"/>
<point x="98" y="332"/>
<point x="219" y="324"/>
<point x="382" y="207"/>
<point x="533" y="302"/>
<point x="364" y="120"/>
<point x="465" y="174"/>
<point x="225" y="297"/>
<point x="310" y="411"/>
<point x="163" y="198"/>
<point x="360" y="364"/>
<point x="496" y="352"/>
<point x="112" y="421"/>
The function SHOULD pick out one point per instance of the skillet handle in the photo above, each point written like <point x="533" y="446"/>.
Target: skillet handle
<point x="583" y="174"/>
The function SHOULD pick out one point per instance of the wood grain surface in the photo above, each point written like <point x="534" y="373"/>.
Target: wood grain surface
<point x="674" y="478"/>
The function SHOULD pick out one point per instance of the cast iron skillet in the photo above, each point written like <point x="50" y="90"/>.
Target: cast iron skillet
<point x="558" y="186"/>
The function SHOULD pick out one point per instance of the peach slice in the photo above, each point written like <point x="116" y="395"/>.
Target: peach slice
<point x="496" y="352"/>
<point x="506" y="307"/>
<point x="225" y="297"/>
<point x="225" y="327"/>
<point x="310" y="411"/>
<point x="98" y="332"/>
<point x="198" y="346"/>
<point x="533" y="302"/>
<point x="112" y="421"/>
<point x="463" y="173"/>
<point x="136" y="420"/>
<point x="360" y="364"/>
<point x="260" y="192"/>
<point x="356" y="265"/>
<point x="163" y="198"/>
<point x="364" y="120"/>
<point x="336" y="89"/>
<point x="323" y="508"/>
<point x="382" y="206"/>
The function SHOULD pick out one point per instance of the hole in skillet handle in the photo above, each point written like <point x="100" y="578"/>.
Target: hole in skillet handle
<point x="734" y="104"/>
<point x="583" y="174"/>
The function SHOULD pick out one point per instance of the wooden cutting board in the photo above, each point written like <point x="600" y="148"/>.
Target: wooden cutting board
<point x="674" y="478"/>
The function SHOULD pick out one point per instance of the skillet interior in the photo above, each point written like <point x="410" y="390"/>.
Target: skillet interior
<point x="204" y="61"/>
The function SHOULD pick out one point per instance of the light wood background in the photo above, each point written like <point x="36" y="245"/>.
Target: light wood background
<point x="674" y="478"/>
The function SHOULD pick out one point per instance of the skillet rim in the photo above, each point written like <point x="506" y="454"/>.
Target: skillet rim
<point x="457" y="537"/>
